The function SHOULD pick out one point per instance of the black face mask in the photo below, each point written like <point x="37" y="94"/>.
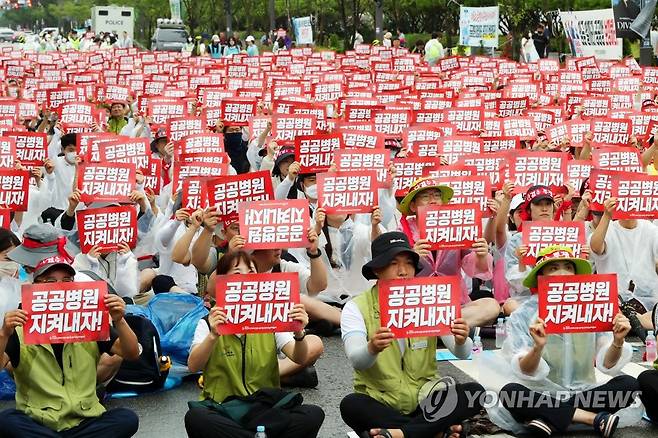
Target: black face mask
<point x="233" y="139"/>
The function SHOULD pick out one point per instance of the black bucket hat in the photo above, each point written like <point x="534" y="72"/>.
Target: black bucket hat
<point x="384" y="249"/>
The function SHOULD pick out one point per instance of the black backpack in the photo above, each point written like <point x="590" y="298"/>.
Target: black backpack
<point x="143" y="374"/>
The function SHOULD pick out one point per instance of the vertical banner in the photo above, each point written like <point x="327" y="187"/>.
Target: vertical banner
<point x="258" y="303"/>
<point x="66" y="312"/>
<point x="419" y="307"/>
<point x="478" y="27"/>
<point x="303" y="30"/>
<point x="578" y="303"/>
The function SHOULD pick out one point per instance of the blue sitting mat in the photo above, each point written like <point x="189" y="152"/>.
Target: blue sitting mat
<point x="7" y="386"/>
<point x="445" y="354"/>
<point x="171" y="383"/>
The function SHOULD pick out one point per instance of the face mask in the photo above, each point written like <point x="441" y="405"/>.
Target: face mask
<point x="8" y="269"/>
<point x="70" y="157"/>
<point x="312" y="191"/>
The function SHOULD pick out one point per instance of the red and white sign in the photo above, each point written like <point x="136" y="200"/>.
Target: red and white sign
<point x="362" y="139"/>
<point x="538" y="235"/>
<point x="201" y="144"/>
<point x="106" y="182"/>
<point x="612" y="131"/>
<point x="619" y="158"/>
<point x="184" y="126"/>
<point x="275" y="224"/>
<point x="14" y="189"/>
<point x="450" y="226"/>
<point x="225" y="193"/>
<point x="578" y="303"/>
<point x="408" y="170"/>
<point x="258" y="303"/>
<point x="77" y="113"/>
<point x="420" y="307"/>
<point x="131" y="150"/>
<point x="163" y="109"/>
<point x="471" y="190"/>
<point x="355" y="160"/>
<point x="107" y="227"/>
<point x="348" y="192"/>
<point x="637" y="195"/>
<point x="316" y="152"/>
<point x="238" y="111"/>
<point x="31" y="147"/>
<point x="529" y="168"/>
<point x="64" y="313"/>
<point x="288" y="127"/>
<point x="7" y="153"/>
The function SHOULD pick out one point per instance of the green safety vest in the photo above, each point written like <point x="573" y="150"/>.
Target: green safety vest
<point x="240" y="366"/>
<point x="395" y="379"/>
<point x="116" y="125"/>
<point x="57" y="398"/>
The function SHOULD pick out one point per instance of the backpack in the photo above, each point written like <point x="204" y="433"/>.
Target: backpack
<point x="143" y="374"/>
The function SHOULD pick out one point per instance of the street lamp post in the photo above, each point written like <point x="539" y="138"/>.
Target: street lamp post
<point x="379" y="19"/>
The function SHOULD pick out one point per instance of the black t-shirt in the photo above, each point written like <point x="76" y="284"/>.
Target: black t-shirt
<point x="13" y="348"/>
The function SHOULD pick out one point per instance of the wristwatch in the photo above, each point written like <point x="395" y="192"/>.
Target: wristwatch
<point x="313" y="256"/>
<point x="302" y="338"/>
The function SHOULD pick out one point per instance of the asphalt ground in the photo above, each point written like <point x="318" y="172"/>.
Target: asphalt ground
<point x="161" y="414"/>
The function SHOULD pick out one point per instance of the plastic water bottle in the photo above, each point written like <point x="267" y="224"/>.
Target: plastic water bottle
<point x="260" y="432"/>
<point x="476" y="353"/>
<point x="650" y="347"/>
<point x="501" y="332"/>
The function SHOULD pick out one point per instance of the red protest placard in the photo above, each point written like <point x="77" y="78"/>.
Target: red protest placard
<point x="77" y="113"/>
<point x="348" y="192"/>
<point x="316" y="152"/>
<point x="288" y="127"/>
<point x="619" y="158"/>
<point x="31" y="147"/>
<point x="538" y="235"/>
<point x="107" y="227"/>
<point x="63" y="313"/>
<point x="195" y="193"/>
<point x="205" y="143"/>
<point x="578" y="303"/>
<point x="275" y="224"/>
<point x="185" y="169"/>
<point x="637" y="195"/>
<point x="362" y="139"/>
<point x="162" y="109"/>
<point x="5" y="218"/>
<point x="578" y="171"/>
<point x="419" y="307"/>
<point x="450" y="226"/>
<point x="453" y="148"/>
<point x="14" y="189"/>
<point x="153" y="178"/>
<point x="471" y="190"/>
<point x="529" y="168"/>
<point x="130" y="150"/>
<point x="106" y="182"/>
<point x="238" y="111"/>
<point x="354" y="160"/>
<point x="258" y="303"/>
<point x="408" y="170"/>
<point x="183" y="126"/>
<point x="7" y="153"/>
<point x="225" y="193"/>
<point x="611" y="131"/>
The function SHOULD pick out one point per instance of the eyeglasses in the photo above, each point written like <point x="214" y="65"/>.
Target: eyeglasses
<point x="428" y="195"/>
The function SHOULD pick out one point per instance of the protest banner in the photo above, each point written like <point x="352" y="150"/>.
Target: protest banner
<point x="180" y="127"/>
<point x="238" y="111"/>
<point x="205" y="143"/>
<point x="153" y="178"/>
<point x="615" y="132"/>
<point x="362" y="139"/>
<point x="106" y="182"/>
<point x="354" y="160"/>
<point x="64" y="313"/>
<point x="408" y="170"/>
<point x="130" y="150"/>
<point x="186" y="169"/>
<point x="77" y="113"/>
<point x="14" y="189"/>
<point x="31" y="147"/>
<point x="592" y="33"/>
<point x="287" y="128"/>
<point x="474" y="189"/>
<point x="7" y="152"/>
<point x="420" y="307"/>
<point x="316" y="152"/>
<point x="257" y="303"/>
<point x="538" y="235"/>
<point x="529" y="168"/>
<point x="195" y="193"/>
<point x="578" y="303"/>
<point x="162" y="109"/>
<point x="451" y="149"/>
<point x="450" y="226"/>
<point x="637" y="195"/>
<point x="275" y="224"/>
<point x="348" y="192"/>
<point x="225" y="193"/>
<point x="625" y="12"/>
<point x="107" y="227"/>
<point x="577" y="172"/>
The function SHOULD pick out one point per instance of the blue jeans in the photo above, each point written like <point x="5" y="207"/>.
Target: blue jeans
<point x="115" y="423"/>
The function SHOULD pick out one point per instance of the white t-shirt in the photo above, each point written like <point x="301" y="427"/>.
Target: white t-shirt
<point x="632" y="254"/>
<point x="202" y="330"/>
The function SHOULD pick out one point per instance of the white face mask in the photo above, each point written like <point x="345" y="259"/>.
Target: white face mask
<point x="8" y="269"/>
<point x="70" y="157"/>
<point x="311" y="191"/>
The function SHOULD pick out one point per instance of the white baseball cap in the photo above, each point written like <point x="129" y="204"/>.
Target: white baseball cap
<point x="250" y="38"/>
<point x="516" y="201"/>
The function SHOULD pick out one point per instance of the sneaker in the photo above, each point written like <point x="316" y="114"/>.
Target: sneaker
<point x="306" y="378"/>
<point x="606" y="424"/>
<point x="539" y="427"/>
<point x="636" y="326"/>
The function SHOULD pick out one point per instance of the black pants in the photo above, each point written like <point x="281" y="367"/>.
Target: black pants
<point x="648" y="381"/>
<point x="527" y="405"/>
<point x="201" y="423"/>
<point x="115" y="423"/>
<point x="362" y="413"/>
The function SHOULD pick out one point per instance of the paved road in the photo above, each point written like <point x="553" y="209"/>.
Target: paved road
<point x="161" y="415"/>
